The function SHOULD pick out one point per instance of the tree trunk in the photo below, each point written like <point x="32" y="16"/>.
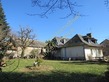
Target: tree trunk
<point x="23" y="52"/>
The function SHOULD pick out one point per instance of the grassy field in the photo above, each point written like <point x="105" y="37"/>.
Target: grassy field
<point x="21" y="70"/>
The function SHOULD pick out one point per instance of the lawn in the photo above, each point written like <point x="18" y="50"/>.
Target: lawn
<point x="21" y="70"/>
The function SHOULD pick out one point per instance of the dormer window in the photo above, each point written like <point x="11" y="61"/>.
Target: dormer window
<point x="89" y="41"/>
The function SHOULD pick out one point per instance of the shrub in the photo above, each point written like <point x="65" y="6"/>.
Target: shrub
<point x="34" y="53"/>
<point x="39" y="61"/>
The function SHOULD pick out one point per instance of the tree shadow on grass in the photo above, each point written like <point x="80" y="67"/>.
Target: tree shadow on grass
<point x="53" y="76"/>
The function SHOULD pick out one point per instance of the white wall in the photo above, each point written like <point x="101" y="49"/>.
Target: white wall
<point x="26" y="53"/>
<point x="73" y="52"/>
<point x="27" y="50"/>
<point x="93" y="53"/>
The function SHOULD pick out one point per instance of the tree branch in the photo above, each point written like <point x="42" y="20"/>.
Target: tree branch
<point x="50" y="5"/>
<point x="106" y="2"/>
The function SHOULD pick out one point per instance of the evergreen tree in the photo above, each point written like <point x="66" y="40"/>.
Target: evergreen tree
<point x="4" y="39"/>
<point x="3" y="22"/>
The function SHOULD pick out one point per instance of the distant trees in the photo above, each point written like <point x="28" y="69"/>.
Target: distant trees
<point x="25" y="39"/>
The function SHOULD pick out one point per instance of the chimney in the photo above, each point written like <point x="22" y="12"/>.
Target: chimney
<point x="89" y="35"/>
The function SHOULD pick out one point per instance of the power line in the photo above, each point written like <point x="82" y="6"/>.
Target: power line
<point x="69" y="33"/>
<point x="66" y="25"/>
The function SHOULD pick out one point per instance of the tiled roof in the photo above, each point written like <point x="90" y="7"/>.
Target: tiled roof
<point x="79" y="40"/>
<point x="34" y="43"/>
<point x="106" y="41"/>
<point x="88" y="43"/>
<point x="38" y="44"/>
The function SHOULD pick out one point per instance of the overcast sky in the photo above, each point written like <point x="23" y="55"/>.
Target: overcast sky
<point x="96" y="20"/>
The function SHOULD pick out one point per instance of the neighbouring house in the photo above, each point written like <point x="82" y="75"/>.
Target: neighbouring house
<point x="105" y="45"/>
<point x="40" y="46"/>
<point x="37" y="45"/>
<point x="80" y="47"/>
<point x="9" y="47"/>
<point x="11" y="53"/>
<point x="59" y="41"/>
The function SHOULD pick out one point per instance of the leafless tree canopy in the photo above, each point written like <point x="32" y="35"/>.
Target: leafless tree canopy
<point x="49" y="6"/>
<point x="25" y="38"/>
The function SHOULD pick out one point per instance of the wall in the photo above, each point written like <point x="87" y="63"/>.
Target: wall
<point x="73" y="52"/>
<point x="28" y="50"/>
<point x="17" y="53"/>
<point x="93" y="53"/>
<point x="11" y="53"/>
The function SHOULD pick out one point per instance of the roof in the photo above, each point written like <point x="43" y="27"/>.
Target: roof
<point x="88" y="43"/>
<point x="34" y="43"/>
<point x="60" y="41"/>
<point x="106" y="41"/>
<point x="38" y="44"/>
<point x="79" y="40"/>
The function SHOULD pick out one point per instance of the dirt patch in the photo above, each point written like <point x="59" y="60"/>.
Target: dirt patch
<point x="37" y="69"/>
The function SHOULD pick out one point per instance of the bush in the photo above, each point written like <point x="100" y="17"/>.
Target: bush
<point x="34" y="53"/>
<point x="39" y="61"/>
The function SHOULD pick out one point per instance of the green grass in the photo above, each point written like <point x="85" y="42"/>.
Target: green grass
<point x="61" y="71"/>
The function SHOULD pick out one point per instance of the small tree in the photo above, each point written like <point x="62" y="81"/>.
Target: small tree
<point x="25" y="39"/>
<point x="51" y="45"/>
<point x="39" y="61"/>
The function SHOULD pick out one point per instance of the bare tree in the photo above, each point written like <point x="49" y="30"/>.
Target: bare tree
<point x="25" y="39"/>
<point x="106" y="2"/>
<point x="51" y="5"/>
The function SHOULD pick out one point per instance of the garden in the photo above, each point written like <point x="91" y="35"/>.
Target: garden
<point x="23" y="70"/>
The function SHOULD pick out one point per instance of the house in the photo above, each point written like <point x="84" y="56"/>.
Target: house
<point x="80" y="47"/>
<point x="35" y="45"/>
<point x="59" y="41"/>
<point x="105" y="45"/>
<point x="16" y="52"/>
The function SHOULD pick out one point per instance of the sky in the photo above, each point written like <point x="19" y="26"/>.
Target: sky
<point x="95" y="20"/>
